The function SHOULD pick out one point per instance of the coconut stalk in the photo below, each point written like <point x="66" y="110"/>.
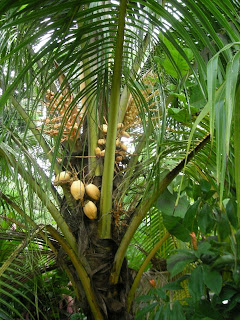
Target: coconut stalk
<point x="143" y="209"/>
<point x="136" y="65"/>
<point x="83" y="276"/>
<point x="92" y="115"/>
<point x="93" y="167"/>
<point x="109" y="160"/>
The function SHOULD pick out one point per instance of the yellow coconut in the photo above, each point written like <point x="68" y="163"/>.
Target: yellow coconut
<point x="62" y="177"/>
<point x="104" y="128"/>
<point x="92" y="191"/>
<point x="123" y="147"/>
<point x="90" y="210"/>
<point x="120" y="125"/>
<point x="77" y="190"/>
<point x="101" y="142"/>
<point x="117" y="142"/>
<point x="102" y="154"/>
<point x="98" y="152"/>
<point x="124" y="134"/>
<point x="122" y="153"/>
<point x="119" y="158"/>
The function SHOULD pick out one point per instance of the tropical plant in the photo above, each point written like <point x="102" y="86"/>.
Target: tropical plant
<point x="209" y="268"/>
<point x="123" y="95"/>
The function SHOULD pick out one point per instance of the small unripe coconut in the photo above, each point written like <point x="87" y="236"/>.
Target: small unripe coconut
<point x="102" y="154"/>
<point x="104" y="128"/>
<point x="98" y="152"/>
<point x="92" y="191"/>
<point x="120" y="125"/>
<point x="101" y="142"/>
<point x="62" y="177"/>
<point x="90" y="210"/>
<point x="77" y="190"/>
<point x="117" y="142"/>
<point x="123" y="146"/>
<point x="122" y="153"/>
<point x="119" y="158"/>
<point x="124" y="134"/>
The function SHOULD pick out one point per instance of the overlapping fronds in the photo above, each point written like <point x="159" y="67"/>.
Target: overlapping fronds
<point x="179" y="64"/>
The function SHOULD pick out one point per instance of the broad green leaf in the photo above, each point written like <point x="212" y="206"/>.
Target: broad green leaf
<point x="197" y="98"/>
<point x="160" y="293"/>
<point x="203" y="248"/>
<point x="196" y="191"/>
<point x="177" y="312"/>
<point x="205" y="219"/>
<point x="178" y="114"/>
<point x="190" y="215"/>
<point x="212" y="279"/>
<point x="196" y="284"/>
<point x="206" y="309"/>
<point x="205" y="186"/>
<point x="231" y="209"/>
<point x="227" y="292"/>
<point x="223" y="227"/>
<point x="175" y="63"/>
<point x="223" y="261"/>
<point x="180" y="62"/>
<point x="145" y="310"/>
<point x="172" y="286"/>
<point x="177" y="262"/>
<point x="180" y="96"/>
<point x="166" y="204"/>
<point x="175" y="226"/>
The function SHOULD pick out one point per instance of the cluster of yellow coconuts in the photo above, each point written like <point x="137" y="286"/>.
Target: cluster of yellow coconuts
<point x="78" y="190"/>
<point x="123" y="148"/>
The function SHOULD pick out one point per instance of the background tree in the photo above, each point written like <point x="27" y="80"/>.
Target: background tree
<point x="125" y="96"/>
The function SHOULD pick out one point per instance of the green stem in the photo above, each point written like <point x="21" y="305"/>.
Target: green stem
<point x="142" y="268"/>
<point x="93" y="166"/>
<point x="83" y="276"/>
<point x="143" y="209"/>
<point x="136" y="65"/>
<point x="237" y="148"/>
<point x="109" y="160"/>
<point x="92" y="113"/>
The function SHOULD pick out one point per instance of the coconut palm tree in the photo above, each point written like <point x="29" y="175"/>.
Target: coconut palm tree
<point x="122" y="96"/>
